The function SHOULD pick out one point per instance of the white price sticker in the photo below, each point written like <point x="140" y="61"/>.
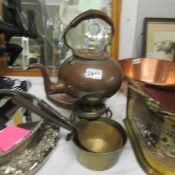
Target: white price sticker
<point x="136" y="61"/>
<point x="94" y="73"/>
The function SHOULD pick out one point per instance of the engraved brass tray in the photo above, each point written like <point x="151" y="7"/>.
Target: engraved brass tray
<point x="151" y="129"/>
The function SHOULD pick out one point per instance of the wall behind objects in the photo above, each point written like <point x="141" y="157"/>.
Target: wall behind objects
<point x="133" y="14"/>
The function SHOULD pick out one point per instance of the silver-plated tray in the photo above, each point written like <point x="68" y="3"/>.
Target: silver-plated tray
<point x="28" y="155"/>
<point x="35" y="154"/>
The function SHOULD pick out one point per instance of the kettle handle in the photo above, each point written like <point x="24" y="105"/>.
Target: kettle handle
<point x="89" y="14"/>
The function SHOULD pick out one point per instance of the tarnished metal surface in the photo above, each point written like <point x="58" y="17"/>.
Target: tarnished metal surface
<point x="30" y="153"/>
<point x="63" y="100"/>
<point x="105" y="138"/>
<point x="89" y="74"/>
<point x="30" y="159"/>
<point x="151" y="130"/>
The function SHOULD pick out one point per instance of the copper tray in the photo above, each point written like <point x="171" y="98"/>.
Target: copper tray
<point x="150" y="70"/>
<point x="151" y="129"/>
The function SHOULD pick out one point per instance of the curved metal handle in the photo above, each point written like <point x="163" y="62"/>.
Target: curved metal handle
<point x="89" y="14"/>
<point x="63" y="121"/>
<point x="46" y="111"/>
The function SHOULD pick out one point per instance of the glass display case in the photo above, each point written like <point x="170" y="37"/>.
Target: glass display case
<point x="51" y="18"/>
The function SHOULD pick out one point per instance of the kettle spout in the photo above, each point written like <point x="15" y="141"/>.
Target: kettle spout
<point x="50" y="87"/>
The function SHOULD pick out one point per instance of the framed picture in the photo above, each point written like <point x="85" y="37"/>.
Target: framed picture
<point x="159" y="38"/>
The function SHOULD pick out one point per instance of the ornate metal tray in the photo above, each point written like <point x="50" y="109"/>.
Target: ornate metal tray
<point x="28" y="155"/>
<point x="28" y="160"/>
<point x="151" y="129"/>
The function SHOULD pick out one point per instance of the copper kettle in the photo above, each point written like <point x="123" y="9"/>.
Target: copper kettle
<point x="89" y="74"/>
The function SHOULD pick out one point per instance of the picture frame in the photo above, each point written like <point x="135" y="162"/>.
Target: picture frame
<point x="159" y="38"/>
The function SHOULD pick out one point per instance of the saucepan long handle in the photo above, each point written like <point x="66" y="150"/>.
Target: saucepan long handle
<point x="52" y="112"/>
<point x="46" y="111"/>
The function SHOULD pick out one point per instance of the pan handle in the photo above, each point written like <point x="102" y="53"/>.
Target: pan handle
<point x="46" y="111"/>
<point x="55" y="114"/>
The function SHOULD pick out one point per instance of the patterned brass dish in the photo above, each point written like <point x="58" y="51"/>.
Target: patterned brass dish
<point x="151" y="129"/>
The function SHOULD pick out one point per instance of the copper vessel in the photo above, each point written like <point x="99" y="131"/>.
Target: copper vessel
<point x="90" y="74"/>
<point x="152" y="71"/>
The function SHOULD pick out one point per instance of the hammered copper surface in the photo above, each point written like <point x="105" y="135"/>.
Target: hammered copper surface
<point x="151" y="131"/>
<point x="150" y="70"/>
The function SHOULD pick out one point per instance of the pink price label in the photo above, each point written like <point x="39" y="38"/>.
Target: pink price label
<point x="11" y="135"/>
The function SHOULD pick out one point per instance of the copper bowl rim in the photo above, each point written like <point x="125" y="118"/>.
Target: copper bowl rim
<point x="135" y="68"/>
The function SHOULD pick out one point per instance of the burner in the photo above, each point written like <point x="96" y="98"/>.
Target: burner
<point x="90" y="112"/>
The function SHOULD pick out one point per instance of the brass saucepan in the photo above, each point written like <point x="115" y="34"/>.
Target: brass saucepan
<point x="98" y="143"/>
<point x="106" y="138"/>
